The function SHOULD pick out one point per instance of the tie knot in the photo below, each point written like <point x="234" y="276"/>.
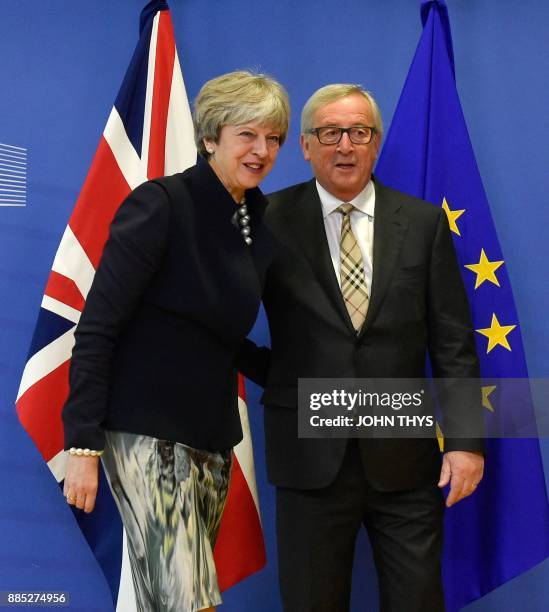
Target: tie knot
<point x="345" y="208"/>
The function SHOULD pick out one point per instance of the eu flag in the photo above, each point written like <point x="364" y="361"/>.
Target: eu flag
<point x="502" y="530"/>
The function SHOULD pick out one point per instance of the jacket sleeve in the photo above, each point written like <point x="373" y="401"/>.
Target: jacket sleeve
<point x="132" y="254"/>
<point x="452" y="349"/>
<point x="253" y="362"/>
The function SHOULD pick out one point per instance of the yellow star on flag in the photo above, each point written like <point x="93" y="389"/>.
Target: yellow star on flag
<point x="496" y="334"/>
<point x="440" y="437"/>
<point x="485" y="270"/>
<point x="486" y="392"/>
<point x="453" y="216"/>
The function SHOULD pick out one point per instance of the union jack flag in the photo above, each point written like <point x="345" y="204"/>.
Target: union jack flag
<point x="149" y="133"/>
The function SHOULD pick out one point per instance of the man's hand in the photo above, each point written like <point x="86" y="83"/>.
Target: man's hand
<point x="463" y="470"/>
<point x="81" y="481"/>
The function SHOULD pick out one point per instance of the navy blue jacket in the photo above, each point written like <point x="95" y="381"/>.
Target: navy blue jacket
<point x="175" y="293"/>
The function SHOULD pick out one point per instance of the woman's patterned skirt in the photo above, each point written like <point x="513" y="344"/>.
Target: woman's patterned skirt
<point x="171" y="498"/>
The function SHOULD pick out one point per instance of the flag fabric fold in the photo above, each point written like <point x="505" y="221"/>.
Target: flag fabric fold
<point x="149" y="133"/>
<point x="502" y="530"/>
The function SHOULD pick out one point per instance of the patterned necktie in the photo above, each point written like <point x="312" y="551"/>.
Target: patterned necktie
<point x="353" y="284"/>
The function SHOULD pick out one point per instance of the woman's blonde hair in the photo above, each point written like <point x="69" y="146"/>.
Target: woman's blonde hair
<point x="236" y="98"/>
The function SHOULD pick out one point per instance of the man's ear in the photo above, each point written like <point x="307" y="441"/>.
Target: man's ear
<point x="304" y="140"/>
<point x="378" y="139"/>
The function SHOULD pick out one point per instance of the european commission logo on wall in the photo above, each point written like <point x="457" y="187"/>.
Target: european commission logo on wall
<point x="13" y="175"/>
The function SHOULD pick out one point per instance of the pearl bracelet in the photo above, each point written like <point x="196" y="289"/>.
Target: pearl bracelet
<point x="85" y="452"/>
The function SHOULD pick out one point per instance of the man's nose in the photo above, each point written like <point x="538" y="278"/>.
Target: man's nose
<point x="345" y="145"/>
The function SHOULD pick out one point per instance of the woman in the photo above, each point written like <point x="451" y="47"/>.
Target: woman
<point x="153" y="382"/>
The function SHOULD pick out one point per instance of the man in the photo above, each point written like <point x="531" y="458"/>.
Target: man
<point x="365" y="284"/>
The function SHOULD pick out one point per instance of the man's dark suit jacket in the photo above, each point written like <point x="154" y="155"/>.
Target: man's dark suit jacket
<point x="175" y="293"/>
<point x="418" y="307"/>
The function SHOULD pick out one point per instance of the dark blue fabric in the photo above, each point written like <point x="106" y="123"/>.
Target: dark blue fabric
<point x="149" y="11"/>
<point x="49" y="327"/>
<point x="503" y="529"/>
<point x="103" y="532"/>
<point x="442" y="9"/>
<point x="130" y="101"/>
<point x="166" y="332"/>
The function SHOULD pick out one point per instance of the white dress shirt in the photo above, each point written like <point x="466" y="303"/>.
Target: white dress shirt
<point x="362" y="224"/>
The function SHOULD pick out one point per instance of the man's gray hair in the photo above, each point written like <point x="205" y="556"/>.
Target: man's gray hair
<point x="331" y="93"/>
<point x="236" y="98"/>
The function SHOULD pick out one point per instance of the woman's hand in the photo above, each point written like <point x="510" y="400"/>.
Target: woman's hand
<point x="81" y="481"/>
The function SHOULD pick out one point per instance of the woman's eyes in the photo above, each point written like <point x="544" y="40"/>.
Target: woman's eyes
<point x="247" y="136"/>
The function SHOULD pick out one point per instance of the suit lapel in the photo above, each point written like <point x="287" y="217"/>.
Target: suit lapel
<point x="308" y="227"/>
<point x="390" y="225"/>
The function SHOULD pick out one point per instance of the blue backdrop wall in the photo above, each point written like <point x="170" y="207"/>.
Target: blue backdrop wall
<point x="62" y="64"/>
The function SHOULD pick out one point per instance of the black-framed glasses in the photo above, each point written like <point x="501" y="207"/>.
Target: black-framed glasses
<point x="331" y="134"/>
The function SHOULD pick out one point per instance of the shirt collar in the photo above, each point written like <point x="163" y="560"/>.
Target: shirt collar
<point x="364" y="201"/>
